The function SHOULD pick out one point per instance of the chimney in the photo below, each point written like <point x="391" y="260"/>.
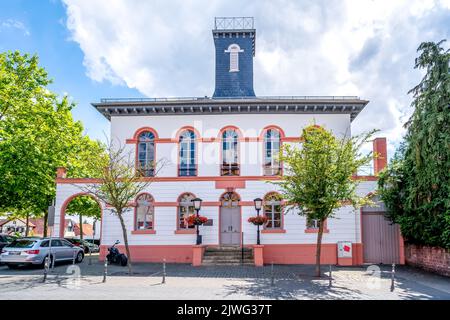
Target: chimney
<point x="234" y="39"/>
<point x="61" y="172"/>
<point x="380" y="154"/>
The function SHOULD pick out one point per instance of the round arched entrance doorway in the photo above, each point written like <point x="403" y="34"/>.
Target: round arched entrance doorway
<point x="230" y="219"/>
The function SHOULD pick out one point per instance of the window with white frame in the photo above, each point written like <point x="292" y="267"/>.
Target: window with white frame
<point x="145" y="212"/>
<point x="187" y="166"/>
<point x="312" y="223"/>
<point x="185" y="209"/>
<point x="271" y="152"/>
<point x="234" y="51"/>
<point x="146" y="154"/>
<point x="273" y="210"/>
<point x="230" y="153"/>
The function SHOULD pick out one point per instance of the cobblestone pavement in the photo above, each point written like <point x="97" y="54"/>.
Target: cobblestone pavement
<point x="228" y="282"/>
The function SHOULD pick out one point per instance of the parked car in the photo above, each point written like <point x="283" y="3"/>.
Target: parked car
<point x="86" y="245"/>
<point x="33" y="251"/>
<point x="5" y="240"/>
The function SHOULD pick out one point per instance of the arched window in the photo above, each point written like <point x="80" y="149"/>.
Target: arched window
<point x="145" y="212"/>
<point x="230" y="153"/>
<point x="187" y="166"/>
<point x="234" y="51"/>
<point x="185" y="209"/>
<point x="272" y="140"/>
<point x="272" y="210"/>
<point x="146" y="154"/>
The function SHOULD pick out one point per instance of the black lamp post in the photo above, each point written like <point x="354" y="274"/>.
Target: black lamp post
<point x="197" y="206"/>
<point x="258" y="204"/>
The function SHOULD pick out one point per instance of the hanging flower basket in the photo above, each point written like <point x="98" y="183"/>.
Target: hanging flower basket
<point x="258" y="220"/>
<point x="194" y="220"/>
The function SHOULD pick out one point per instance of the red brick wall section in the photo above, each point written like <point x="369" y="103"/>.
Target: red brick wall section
<point x="432" y="259"/>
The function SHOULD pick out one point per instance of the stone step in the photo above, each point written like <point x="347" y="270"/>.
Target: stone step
<point x="227" y="248"/>
<point x="228" y="261"/>
<point x="224" y="253"/>
<point x="222" y="258"/>
<point x="227" y="255"/>
<point x="207" y="263"/>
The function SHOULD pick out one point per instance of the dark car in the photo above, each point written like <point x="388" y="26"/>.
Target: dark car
<point x="5" y="240"/>
<point x="87" y="246"/>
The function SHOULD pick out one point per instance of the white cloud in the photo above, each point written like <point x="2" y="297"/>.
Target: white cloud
<point x="14" y="24"/>
<point x="360" y="47"/>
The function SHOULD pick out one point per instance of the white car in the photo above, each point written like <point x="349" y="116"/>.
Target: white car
<point x="33" y="251"/>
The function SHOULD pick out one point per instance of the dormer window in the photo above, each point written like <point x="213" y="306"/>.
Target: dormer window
<point x="234" y="50"/>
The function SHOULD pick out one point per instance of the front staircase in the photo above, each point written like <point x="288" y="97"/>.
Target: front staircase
<point x="214" y="256"/>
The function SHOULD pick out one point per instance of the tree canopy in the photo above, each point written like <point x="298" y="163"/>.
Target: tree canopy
<point x="416" y="185"/>
<point x="37" y="135"/>
<point x="319" y="175"/>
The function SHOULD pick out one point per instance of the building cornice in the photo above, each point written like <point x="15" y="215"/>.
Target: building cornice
<point x="204" y="105"/>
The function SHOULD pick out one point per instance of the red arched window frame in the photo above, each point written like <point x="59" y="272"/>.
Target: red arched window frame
<point x="273" y="208"/>
<point x="144" y="200"/>
<point x="271" y="169"/>
<point x="187" y="169"/>
<point x="185" y="208"/>
<point x="145" y="160"/>
<point x="230" y="168"/>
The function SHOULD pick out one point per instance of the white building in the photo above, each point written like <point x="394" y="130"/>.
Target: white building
<point x="222" y="150"/>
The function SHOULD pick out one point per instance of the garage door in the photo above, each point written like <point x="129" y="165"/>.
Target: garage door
<point x="380" y="239"/>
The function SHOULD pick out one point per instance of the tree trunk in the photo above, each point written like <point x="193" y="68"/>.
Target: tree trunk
<point x="319" y="248"/>
<point x="45" y="224"/>
<point x="81" y="226"/>
<point x="125" y="240"/>
<point x="27" y="222"/>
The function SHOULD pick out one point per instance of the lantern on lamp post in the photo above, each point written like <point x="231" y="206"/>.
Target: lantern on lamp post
<point x="258" y="205"/>
<point x="197" y="206"/>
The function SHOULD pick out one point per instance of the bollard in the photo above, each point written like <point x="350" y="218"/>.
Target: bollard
<point x="105" y="270"/>
<point x="46" y="265"/>
<point x="393" y="277"/>
<point x="271" y="275"/>
<point x="90" y="257"/>
<point x="330" y="278"/>
<point x="164" y="271"/>
<point x="73" y="257"/>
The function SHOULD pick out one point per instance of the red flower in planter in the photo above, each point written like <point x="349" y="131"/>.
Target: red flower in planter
<point x="258" y="220"/>
<point x="196" y="221"/>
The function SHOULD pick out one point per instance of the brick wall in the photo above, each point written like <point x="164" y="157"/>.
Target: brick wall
<point x="432" y="259"/>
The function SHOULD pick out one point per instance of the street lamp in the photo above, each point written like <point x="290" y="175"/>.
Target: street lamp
<point x="197" y="206"/>
<point x="258" y="204"/>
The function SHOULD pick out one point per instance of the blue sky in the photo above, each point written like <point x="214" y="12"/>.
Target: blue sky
<point x="39" y="27"/>
<point x="135" y="48"/>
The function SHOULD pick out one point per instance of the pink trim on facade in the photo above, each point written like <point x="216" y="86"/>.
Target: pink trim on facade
<point x="299" y="253"/>
<point x="145" y="231"/>
<point x="201" y="178"/>
<point x="155" y="253"/>
<point x="316" y="230"/>
<point x="62" y="215"/>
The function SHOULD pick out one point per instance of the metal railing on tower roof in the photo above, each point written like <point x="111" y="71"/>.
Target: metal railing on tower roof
<point x="233" y="23"/>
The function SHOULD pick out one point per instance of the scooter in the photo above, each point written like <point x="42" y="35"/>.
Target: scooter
<point x="114" y="256"/>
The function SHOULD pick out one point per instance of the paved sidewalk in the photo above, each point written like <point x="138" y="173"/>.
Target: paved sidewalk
<point x="230" y="282"/>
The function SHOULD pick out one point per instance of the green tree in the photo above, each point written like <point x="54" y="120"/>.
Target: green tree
<point x="118" y="185"/>
<point x="37" y="135"/>
<point x="84" y="206"/>
<point x="416" y="185"/>
<point x="319" y="176"/>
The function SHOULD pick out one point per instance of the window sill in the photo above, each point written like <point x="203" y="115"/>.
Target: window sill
<point x="316" y="230"/>
<point x="143" y="232"/>
<point x="273" y="231"/>
<point x="188" y="231"/>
